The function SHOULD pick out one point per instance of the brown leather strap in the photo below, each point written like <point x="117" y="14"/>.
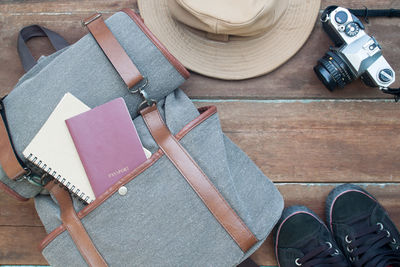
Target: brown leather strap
<point x="8" y="159"/>
<point x="113" y="50"/>
<point x="196" y="178"/>
<point x="75" y="227"/>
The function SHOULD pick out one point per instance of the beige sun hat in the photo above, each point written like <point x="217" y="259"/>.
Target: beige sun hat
<point x="231" y="39"/>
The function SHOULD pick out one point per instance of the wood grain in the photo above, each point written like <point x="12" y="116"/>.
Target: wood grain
<point x="21" y="232"/>
<point x="17" y="213"/>
<point x="325" y="141"/>
<point x="303" y="141"/>
<point x="18" y="244"/>
<point x="313" y="196"/>
<point x="310" y="142"/>
<point x="383" y="4"/>
<point x="294" y="80"/>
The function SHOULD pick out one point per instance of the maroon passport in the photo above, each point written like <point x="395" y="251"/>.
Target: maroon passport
<point x="107" y="143"/>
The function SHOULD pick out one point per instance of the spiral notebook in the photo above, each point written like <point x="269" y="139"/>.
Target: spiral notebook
<point x="53" y="150"/>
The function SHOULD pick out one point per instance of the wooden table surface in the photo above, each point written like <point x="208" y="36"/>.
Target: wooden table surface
<point x="303" y="137"/>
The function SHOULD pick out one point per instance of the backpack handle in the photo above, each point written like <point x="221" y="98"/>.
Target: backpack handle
<point x="28" y="32"/>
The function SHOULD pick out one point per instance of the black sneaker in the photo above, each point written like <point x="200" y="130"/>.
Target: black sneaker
<point x="302" y="239"/>
<point x="362" y="228"/>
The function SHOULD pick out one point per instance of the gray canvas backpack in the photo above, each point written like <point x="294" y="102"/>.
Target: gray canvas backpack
<point x="198" y="201"/>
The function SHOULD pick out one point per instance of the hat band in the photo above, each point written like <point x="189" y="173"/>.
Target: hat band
<point x="217" y="37"/>
<point x="221" y="37"/>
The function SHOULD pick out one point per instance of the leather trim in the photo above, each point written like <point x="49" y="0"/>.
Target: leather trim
<point x="8" y="159"/>
<point x="113" y="50"/>
<point x="206" y="112"/>
<point x="74" y="226"/>
<point x="198" y="180"/>
<point x="176" y="63"/>
<point x="12" y="193"/>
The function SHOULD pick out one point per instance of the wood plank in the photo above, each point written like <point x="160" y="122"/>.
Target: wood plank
<point x="296" y="78"/>
<point x="17" y="213"/>
<point x="322" y="130"/>
<point x="316" y="194"/>
<point x="328" y="142"/>
<point x="292" y="80"/>
<point x="64" y="17"/>
<point x="67" y="5"/>
<point x="61" y="6"/>
<point x="382" y="4"/>
<point x="325" y="141"/>
<point x="19" y="244"/>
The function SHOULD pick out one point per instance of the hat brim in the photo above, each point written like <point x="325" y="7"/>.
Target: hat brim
<point x="241" y="57"/>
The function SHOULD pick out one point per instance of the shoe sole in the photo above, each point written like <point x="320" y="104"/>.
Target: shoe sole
<point x="335" y="194"/>
<point x="286" y="214"/>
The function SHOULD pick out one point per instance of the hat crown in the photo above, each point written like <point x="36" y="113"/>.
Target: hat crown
<point x="231" y="17"/>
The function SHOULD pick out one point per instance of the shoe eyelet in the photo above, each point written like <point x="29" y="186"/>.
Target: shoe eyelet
<point x="296" y="261"/>
<point x="329" y="244"/>
<point x="352" y="259"/>
<point x="380" y="226"/>
<point x="349" y="249"/>
<point x="348" y="241"/>
<point x="393" y="241"/>
<point x="336" y="253"/>
<point x="387" y="233"/>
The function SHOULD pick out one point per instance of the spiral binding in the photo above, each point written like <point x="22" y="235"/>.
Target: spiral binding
<point x="61" y="181"/>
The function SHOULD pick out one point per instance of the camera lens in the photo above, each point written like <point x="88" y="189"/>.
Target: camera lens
<point x="333" y="71"/>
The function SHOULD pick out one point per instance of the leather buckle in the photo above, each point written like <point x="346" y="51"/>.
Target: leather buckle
<point x="41" y="181"/>
<point x="140" y="87"/>
<point x="26" y="175"/>
<point x="147" y="102"/>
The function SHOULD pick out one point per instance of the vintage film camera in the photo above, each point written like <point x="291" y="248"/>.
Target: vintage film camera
<point x="355" y="54"/>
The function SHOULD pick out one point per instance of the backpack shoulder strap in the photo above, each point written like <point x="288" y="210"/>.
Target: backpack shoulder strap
<point x="11" y="164"/>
